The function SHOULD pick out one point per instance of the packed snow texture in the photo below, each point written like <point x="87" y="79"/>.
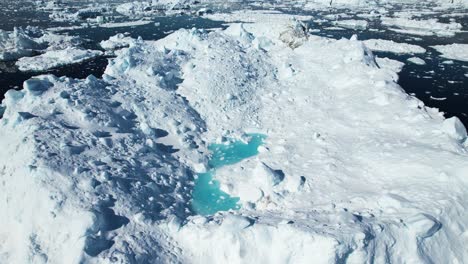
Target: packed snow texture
<point x="55" y="58"/>
<point x="392" y="46"/>
<point x="454" y="51"/>
<point x="353" y="169"/>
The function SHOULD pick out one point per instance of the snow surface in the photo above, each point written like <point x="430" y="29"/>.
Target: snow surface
<point x="55" y="58"/>
<point x="353" y="169"/>
<point x="392" y="46"/>
<point x="453" y="51"/>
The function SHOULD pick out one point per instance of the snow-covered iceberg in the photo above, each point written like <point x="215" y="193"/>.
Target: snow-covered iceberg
<point x="352" y="169"/>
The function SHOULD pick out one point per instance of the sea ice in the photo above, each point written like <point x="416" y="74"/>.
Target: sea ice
<point x="116" y="42"/>
<point x="352" y="24"/>
<point x="392" y="46"/>
<point x="453" y="51"/>
<point x="55" y="58"/>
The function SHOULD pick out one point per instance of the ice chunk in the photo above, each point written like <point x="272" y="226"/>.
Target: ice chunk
<point x="56" y="58"/>
<point x="116" y="42"/>
<point x="352" y="24"/>
<point x="454" y="128"/>
<point x="417" y="61"/>
<point x="454" y="51"/>
<point x="394" y="47"/>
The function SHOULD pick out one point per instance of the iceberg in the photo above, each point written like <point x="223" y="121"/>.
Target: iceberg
<point x="352" y="169"/>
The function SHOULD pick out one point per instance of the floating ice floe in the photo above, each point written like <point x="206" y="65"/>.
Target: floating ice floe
<point x="134" y="8"/>
<point x="352" y="168"/>
<point x="455" y="51"/>
<point x="423" y="27"/>
<point x="125" y="24"/>
<point x="393" y="65"/>
<point x="393" y="47"/>
<point x="352" y="24"/>
<point x="416" y="60"/>
<point x="116" y="42"/>
<point x="55" y="58"/>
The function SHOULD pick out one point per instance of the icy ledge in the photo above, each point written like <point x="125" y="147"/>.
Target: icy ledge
<point x="353" y="169"/>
